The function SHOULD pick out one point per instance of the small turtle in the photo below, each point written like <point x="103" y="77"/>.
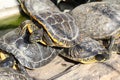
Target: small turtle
<point x="28" y="54"/>
<point x="11" y="74"/>
<point x="59" y="28"/>
<point x="88" y="51"/>
<point x="99" y="20"/>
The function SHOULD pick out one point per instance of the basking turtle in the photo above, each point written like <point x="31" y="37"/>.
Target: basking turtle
<point x="59" y="28"/>
<point x="88" y="51"/>
<point x="28" y="54"/>
<point x="10" y="74"/>
<point x="99" y="20"/>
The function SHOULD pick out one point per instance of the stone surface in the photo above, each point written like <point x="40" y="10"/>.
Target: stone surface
<point x="108" y="70"/>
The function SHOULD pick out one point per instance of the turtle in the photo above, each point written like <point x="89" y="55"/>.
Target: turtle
<point x="27" y="54"/>
<point x="58" y="27"/>
<point x="11" y="74"/>
<point x="88" y="51"/>
<point x="100" y="21"/>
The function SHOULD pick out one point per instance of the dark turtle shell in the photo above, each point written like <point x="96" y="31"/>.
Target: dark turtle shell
<point x="28" y="54"/>
<point x="60" y="26"/>
<point x="10" y="74"/>
<point x="88" y="51"/>
<point x="98" y="20"/>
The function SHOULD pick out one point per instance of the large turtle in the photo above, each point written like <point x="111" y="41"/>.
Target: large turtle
<point x="59" y="28"/>
<point x="99" y="20"/>
<point x="10" y="74"/>
<point x="28" y="54"/>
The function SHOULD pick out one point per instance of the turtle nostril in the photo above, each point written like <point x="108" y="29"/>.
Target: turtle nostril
<point x="102" y="57"/>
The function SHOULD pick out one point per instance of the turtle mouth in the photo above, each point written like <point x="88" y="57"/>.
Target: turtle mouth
<point x="96" y="58"/>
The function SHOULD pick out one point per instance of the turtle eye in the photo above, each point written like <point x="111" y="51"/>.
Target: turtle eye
<point x="99" y="57"/>
<point x="102" y="57"/>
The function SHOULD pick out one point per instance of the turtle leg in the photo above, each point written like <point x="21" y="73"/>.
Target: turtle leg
<point x="8" y="62"/>
<point x="37" y="36"/>
<point x="35" y="30"/>
<point x="88" y="51"/>
<point x="21" y="68"/>
<point x="47" y="39"/>
<point x="40" y="35"/>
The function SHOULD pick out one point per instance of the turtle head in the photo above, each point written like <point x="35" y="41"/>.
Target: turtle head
<point x="88" y="51"/>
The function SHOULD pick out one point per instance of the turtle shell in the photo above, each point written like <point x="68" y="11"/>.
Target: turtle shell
<point x="98" y="19"/>
<point x="88" y="51"/>
<point x="60" y="26"/>
<point x="10" y="74"/>
<point x="28" y="54"/>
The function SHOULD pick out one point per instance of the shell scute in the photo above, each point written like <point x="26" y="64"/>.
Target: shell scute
<point x="51" y="20"/>
<point x="58" y="18"/>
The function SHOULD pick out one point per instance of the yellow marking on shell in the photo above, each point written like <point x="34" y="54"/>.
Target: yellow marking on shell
<point x="23" y="7"/>
<point x="57" y="43"/>
<point x="41" y="41"/>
